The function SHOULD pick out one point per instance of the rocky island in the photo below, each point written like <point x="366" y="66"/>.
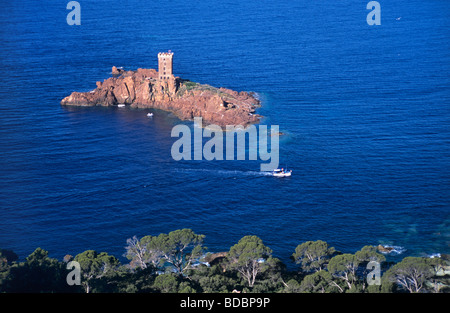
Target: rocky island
<point x="148" y="88"/>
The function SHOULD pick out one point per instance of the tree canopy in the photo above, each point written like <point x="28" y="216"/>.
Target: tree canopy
<point x="179" y="249"/>
<point x="95" y="265"/>
<point x="176" y="262"/>
<point x="412" y="273"/>
<point x="313" y="255"/>
<point x="250" y="257"/>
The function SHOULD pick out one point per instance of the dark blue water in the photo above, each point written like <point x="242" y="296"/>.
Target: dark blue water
<point x="365" y="110"/>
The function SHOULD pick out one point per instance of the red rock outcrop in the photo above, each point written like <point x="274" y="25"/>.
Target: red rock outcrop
<point x="384" y="249"/>
<point x="185" y="99"/>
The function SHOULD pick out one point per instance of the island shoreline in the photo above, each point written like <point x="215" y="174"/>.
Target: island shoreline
<point x="143" y="88"/>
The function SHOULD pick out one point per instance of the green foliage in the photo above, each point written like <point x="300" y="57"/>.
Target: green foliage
<point x="270" y="279"/>
<point x="250" y="257"/>
<point x="137" y="253"/>
<point x="349" y="270"/>
<point x="344" y="267"/>
<point x="190" y="85"/>
<point x="368" y="254"/>
<point x="318" y="282"/>
<point x="38" y="274"/>
<point x="216" y="283"/>
<point x="313" y="255"/>
<point x="248" y="267"/>
<point x="95" y="265"/>
<point x="213" y="279"/>
<point x="292" y="286"/>
<point x="179" y="248"/>
<point x="166" y="283"/>
<point x="411" y="273"/>
<point x="185" y="287"/>
<point x="141" y="280"/>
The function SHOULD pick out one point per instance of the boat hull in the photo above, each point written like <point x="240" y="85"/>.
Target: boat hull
<point x="282" y="174"/>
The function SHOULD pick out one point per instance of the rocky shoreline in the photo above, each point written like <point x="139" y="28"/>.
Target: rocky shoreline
<point x="186" y="99"/>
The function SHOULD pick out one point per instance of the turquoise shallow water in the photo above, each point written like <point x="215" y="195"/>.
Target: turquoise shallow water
<point x="365" y="110"/>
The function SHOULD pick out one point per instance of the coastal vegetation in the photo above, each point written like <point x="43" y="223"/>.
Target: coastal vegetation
<point x="178" y="262"/>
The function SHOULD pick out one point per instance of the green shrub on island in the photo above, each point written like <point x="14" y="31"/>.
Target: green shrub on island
<point x="189" y="85"/>
<point x="177" y="262"/>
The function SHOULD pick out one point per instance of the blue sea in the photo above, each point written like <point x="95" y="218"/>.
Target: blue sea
<point x="365" y="112"/>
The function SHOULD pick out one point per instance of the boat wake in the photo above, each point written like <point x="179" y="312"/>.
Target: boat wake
<point x="224" y="172"/>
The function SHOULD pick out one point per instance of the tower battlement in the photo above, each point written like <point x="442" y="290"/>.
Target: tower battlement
<point x="165" y="54"/>
<point x="165" y="65"/>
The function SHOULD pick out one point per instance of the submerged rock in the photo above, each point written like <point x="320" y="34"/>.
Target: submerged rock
<point x="384" y="249"/>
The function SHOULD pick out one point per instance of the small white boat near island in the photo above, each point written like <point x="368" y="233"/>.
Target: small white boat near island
<point x="121" y="105"/>
<point x="149" y="114"/>
<point x="281" y="172"/>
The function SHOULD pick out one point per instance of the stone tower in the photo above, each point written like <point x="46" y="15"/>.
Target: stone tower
<point x="165" y="64"/>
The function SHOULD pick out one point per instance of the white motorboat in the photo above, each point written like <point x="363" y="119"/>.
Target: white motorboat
<point x="281" y="172"/>
<point x="121" y="105"/>
<point x="149" y="114"/>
